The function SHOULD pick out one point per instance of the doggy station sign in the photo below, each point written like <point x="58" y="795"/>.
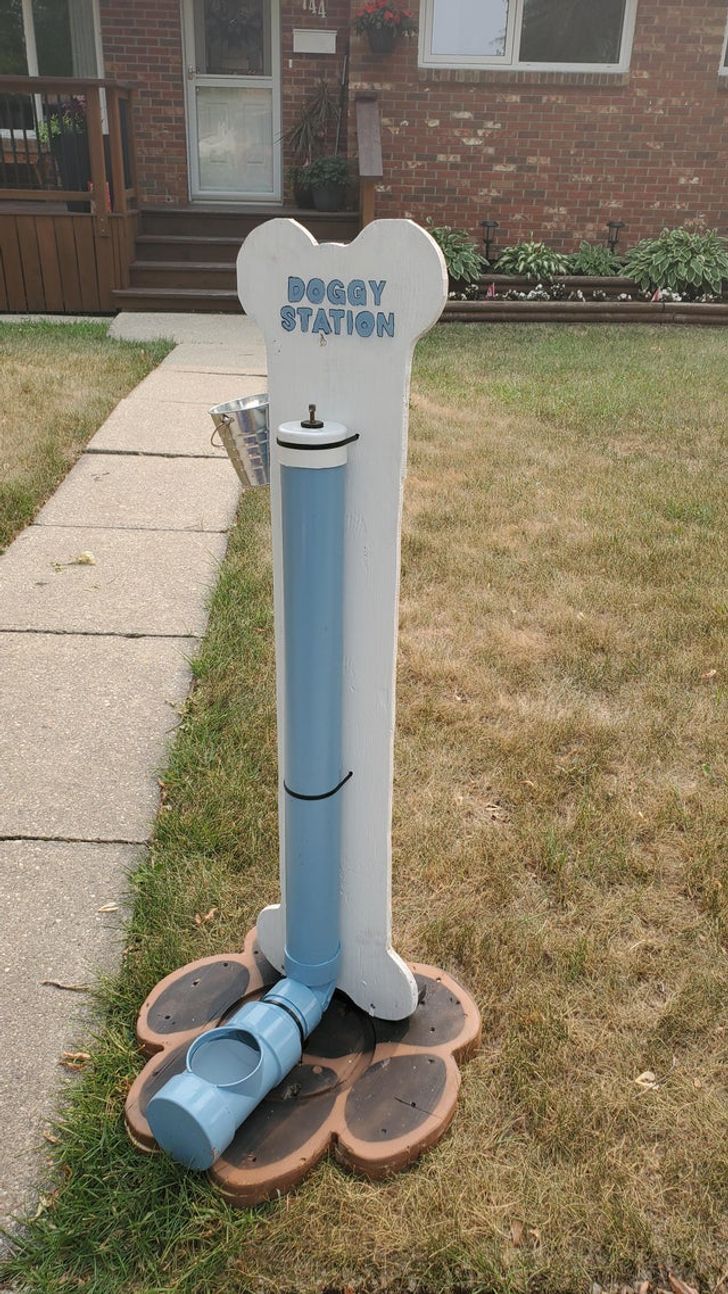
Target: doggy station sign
<point x="340" y="324"/>
<point x="274" y="1054"/>
<point x="326" y="309"/>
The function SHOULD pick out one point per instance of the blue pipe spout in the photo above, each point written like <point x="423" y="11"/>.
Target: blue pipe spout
<point x="229" y="1070"/>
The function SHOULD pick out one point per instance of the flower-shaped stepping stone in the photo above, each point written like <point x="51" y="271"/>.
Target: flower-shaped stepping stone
<point x="376" y="1093"/>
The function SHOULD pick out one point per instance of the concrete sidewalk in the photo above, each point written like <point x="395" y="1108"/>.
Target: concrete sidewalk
<point x="93" y="672"/>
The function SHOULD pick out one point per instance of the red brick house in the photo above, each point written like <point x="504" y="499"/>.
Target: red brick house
<point x="550" y="116"/>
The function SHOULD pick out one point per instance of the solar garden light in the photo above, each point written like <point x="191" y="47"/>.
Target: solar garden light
<point x="614" y="226"/>
<point x="489" y="226"/>
<point x="340" y="325"/>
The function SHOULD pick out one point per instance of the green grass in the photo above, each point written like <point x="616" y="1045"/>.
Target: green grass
<point x="59" y="383"/>
<point x="559" y="844"/>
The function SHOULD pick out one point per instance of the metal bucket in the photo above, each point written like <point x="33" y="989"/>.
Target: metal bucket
<point x="244" y="431"/>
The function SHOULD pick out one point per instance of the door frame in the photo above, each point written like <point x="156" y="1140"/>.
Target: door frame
<point x="272" y="82"/>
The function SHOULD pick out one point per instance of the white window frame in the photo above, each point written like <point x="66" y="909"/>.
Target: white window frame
<point x="31" y="52"/>
<point x="722" y="69"/>
<point x="513" y="35"/>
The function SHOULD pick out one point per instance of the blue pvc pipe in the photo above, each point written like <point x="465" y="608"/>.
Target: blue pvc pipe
<point x="229" y="1070"/>
<point x="312" y="505"/>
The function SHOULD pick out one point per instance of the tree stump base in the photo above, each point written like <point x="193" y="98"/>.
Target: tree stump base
<point x="375" y="1093"/>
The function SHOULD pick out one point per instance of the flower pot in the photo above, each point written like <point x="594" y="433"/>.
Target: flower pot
<point x="302" y="196"/>
<point x="70" y="152"/>
<point x="329" y="197"/>
<point x="382" y="40"/>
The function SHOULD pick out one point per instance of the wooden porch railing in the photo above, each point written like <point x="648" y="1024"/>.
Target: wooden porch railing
<point x="369" y="148"/>
<point x="68" y="140"/>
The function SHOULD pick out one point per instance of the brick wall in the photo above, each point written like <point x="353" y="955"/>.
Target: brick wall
<point x="300" y="73"/>
<point x="559" y="155"/>
<point x="142" y="44"/>
<point x="556" y="155"/>
<point x="142" y="41"/>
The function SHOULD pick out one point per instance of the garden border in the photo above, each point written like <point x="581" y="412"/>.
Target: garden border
<point x="612" y="310"/>
<point x="649" y="312"/>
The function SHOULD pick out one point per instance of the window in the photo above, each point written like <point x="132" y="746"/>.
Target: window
<point x="12" y="43"/>
<point x="44" y="38"/>
<point x="556" y="35"/>
<point x="48" y="38"/>
<point x="723" y="69"/>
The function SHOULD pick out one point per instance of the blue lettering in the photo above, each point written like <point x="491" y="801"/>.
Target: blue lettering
<point x="321" y="323"/>
<point x="316" y="291"/>
<point x="288" y="318"/>
<point x="304" y="314"/>
<point x="296" y="288"/>
<point x="357" y="292"/>
<point x="377" y="290"/>
<point x="365" y="323"/>
<point x="336" y="292"/>
<point x="385" y="323"/>
<point x="349" y="322"/>
<point x="337" y="317"/>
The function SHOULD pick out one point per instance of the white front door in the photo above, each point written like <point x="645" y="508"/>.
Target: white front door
<point x="233" y="99"/>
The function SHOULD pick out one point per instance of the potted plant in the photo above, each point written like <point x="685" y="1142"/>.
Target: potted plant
<point x="383" y="23"/>
<point x="300" y="188"/>
<point x="327" y="179"/>
<point x="317" y="125"/>
<point x="64" y="131"/>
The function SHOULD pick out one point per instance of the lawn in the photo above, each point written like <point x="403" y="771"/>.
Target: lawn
<point x="559" y="845"/>
<point x="59" y="383"/>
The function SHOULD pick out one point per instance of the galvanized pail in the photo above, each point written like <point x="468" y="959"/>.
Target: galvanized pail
<point x="244" y="431"/>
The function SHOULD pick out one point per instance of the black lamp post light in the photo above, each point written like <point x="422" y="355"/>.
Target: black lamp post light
<point x="614" y="227"/>
<point x="489" y="227"/>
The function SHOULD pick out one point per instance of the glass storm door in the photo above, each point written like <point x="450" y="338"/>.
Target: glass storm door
<point x="233" y="104"/>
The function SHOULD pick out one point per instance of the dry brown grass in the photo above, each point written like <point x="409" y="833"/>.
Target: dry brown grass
<point x="559" y="844"/>
<point x="59" y="382"/>
<point x="560" y="833"/>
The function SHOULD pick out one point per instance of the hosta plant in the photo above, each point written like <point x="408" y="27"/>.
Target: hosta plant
<point x="691" y="262"/>
<point x="464" y="262"/>
<point x="594" y="260"/>
<point x="535" y="260"/>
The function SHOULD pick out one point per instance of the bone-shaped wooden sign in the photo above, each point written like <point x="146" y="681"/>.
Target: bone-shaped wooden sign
<point x="340" y="324"/>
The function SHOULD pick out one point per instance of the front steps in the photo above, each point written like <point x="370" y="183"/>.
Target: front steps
<point x="184" y="258"/>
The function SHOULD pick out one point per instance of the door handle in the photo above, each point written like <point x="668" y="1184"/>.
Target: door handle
<point x="191" y="73"/>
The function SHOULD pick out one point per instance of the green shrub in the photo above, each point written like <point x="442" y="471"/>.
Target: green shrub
<point x="680" y="260"/>
<point x="535" y="260"/>
<point x="594" y="259"/>
<point x="326" y="173"/>
<point x="464" y="262"/>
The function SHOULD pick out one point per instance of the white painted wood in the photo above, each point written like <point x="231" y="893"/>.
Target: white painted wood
<point x="310" y="40"/>
<point x="363" y="382"/>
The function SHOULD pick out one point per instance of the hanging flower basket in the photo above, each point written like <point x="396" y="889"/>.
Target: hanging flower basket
<point x="382" y="39"/>
<point x="383" y="23"/>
